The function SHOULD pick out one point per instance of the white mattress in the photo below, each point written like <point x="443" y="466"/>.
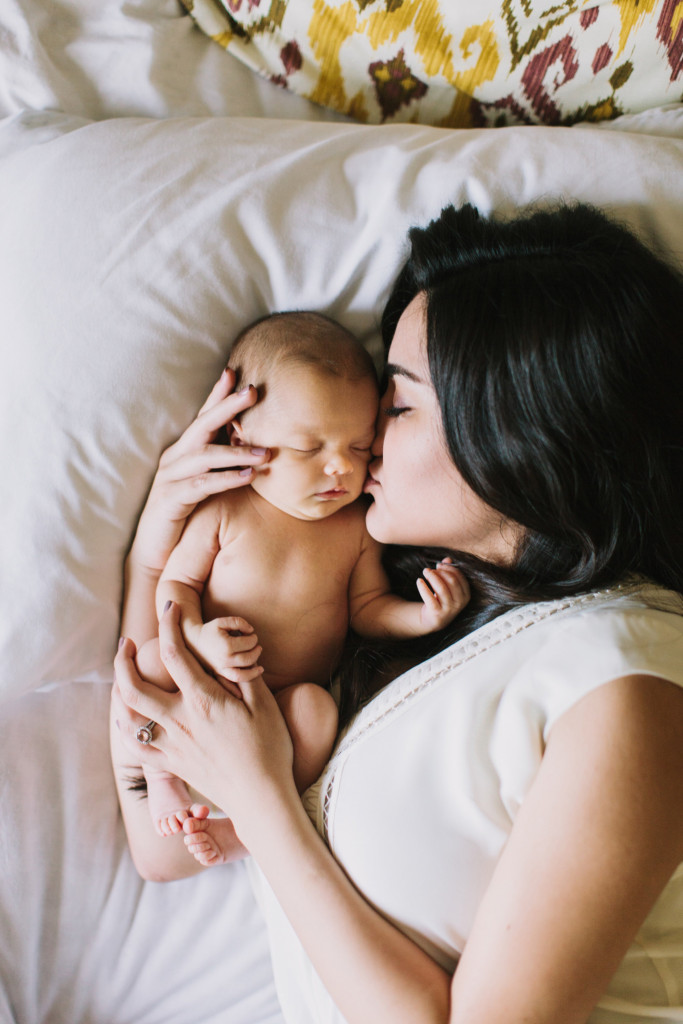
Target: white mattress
<point x="155" y="196"/>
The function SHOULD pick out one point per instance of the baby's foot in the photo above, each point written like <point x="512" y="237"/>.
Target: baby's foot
<point x="211" y="841"/>
<point x="169" y="803"/>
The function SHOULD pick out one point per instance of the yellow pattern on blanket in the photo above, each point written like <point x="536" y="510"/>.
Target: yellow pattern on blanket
<point x="484" y="63"/>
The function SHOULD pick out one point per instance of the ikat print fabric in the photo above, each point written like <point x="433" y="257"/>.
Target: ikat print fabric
<point x="460" y="63"/>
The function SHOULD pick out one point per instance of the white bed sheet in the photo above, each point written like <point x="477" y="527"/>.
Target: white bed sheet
<point x="141" y="58"/>
<point x="271" y="215"/>
<point x="82" y="938"/>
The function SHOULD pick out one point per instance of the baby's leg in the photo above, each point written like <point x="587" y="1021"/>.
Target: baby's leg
<point x="312" y="719"/>
<point x="169" y="798"/>
<point x="212" y="841"/>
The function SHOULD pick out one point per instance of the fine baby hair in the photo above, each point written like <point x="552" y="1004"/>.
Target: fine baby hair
<point x="297" y="338"/>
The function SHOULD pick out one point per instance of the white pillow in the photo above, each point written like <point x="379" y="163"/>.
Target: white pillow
<point x="131" y="253"/>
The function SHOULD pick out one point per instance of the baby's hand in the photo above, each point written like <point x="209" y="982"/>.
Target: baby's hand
<point x="230" y="647"/>
<point x="447" y="597"/>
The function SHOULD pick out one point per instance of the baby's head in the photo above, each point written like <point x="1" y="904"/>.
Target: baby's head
<point x="316" y="412"/>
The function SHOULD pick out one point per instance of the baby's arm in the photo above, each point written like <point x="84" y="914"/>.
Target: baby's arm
<point x="227" y="645"/>
<point x="188" y="568"/>
<point x="375" y="611"/>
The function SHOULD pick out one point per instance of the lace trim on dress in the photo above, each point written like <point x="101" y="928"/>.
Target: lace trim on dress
<point x="418" y="679"/>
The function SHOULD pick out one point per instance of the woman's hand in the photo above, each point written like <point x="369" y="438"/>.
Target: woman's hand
<point x="237" y="752"/>
<point x="191" y="470"/>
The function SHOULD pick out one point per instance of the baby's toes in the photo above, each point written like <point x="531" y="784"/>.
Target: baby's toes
<point x="171" y="824"/>
<point x="163" y="826"/>
<point x="199" y="846"/>
<point x="199" y="811"/>
<point x="206" y="858"/>
<point x="194" y="825"/>
<point x="201" y="849"/>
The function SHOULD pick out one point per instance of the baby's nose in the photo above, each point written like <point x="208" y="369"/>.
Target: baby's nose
<point x="338" y="465"/>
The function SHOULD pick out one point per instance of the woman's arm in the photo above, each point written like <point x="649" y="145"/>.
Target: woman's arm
<point x="189" y="471"/>
<point x="373" y="971"/>
<point x="595" y="842"/>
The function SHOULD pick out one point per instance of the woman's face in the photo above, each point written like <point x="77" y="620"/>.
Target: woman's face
<point x="419" y="497"/>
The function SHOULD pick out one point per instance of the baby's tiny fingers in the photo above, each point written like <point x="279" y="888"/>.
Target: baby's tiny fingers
<point x="439" y="584"/>
<point x="426" y="594"/>
<point x="235" y="625"/>
<point x="243" y="675"/>
<point x="240" y="644"/>
<point x="454" y="579"/>
<point x="245" y="659"/>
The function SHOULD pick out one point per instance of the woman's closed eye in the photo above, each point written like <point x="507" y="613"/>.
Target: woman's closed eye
<point x="394" y="411"/>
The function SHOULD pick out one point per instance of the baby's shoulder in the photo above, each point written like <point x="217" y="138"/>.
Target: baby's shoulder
<point x="218" y="511"/>
<point x="352" y="517"/>
<point x="348" y="530"/>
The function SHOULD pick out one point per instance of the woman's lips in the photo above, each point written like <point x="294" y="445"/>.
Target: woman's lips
<point x="370" y="482"/>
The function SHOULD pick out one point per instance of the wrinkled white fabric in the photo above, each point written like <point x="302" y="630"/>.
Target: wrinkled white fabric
<point x="133" y="251"/>
<point x="423" y="790"/>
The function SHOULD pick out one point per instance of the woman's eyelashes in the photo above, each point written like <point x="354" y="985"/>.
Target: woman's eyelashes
<point x="392" y="405"/>
<point x="394" y="411"/>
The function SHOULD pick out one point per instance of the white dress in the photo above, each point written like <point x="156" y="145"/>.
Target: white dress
<point x="423" y="788"/>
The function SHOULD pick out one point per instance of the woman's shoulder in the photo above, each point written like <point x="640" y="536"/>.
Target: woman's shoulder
<point x="636" y="616"/>
<point x="539" y="659"/>
<point x="635" y="629"/>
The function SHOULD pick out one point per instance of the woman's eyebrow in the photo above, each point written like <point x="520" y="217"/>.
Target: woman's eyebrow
<point x="394" y="370"/>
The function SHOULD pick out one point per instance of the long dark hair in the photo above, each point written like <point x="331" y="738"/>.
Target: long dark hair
<point x="555" y="347"/>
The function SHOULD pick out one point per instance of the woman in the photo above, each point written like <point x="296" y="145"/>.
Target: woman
<point x="511" y="805"/>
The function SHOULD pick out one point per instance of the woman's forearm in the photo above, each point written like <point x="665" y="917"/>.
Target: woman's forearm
<point x="138" y="613"/>
<point x="239" y="753"/>
<point x="372" y="971"/>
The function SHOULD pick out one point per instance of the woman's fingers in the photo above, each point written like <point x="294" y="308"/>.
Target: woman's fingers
<point x="218" y="411"/>
<point x="193" y="469"/>
<point x="127" y="724"/>
<point x="221" y="389"/>
<point x="184" y="669"/>
<point x="144" y="700"/>
<point x="183" y="482"/>
<point x="208" y="459"/>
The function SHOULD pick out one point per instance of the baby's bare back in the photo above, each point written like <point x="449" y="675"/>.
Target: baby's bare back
<point x="289" y="579"/>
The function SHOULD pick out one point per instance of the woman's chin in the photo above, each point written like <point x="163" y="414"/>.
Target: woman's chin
<point x="375" y="526"/>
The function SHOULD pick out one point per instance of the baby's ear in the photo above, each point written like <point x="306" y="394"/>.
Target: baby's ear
<point x="237" y="437"/>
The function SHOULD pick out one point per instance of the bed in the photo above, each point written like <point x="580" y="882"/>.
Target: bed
<point x="155" y="196"/>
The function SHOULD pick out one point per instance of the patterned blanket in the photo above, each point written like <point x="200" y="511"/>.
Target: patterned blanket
<point x="460" y="63"/>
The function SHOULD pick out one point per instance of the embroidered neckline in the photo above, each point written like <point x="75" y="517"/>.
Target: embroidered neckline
<point x="425" y="675"/>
